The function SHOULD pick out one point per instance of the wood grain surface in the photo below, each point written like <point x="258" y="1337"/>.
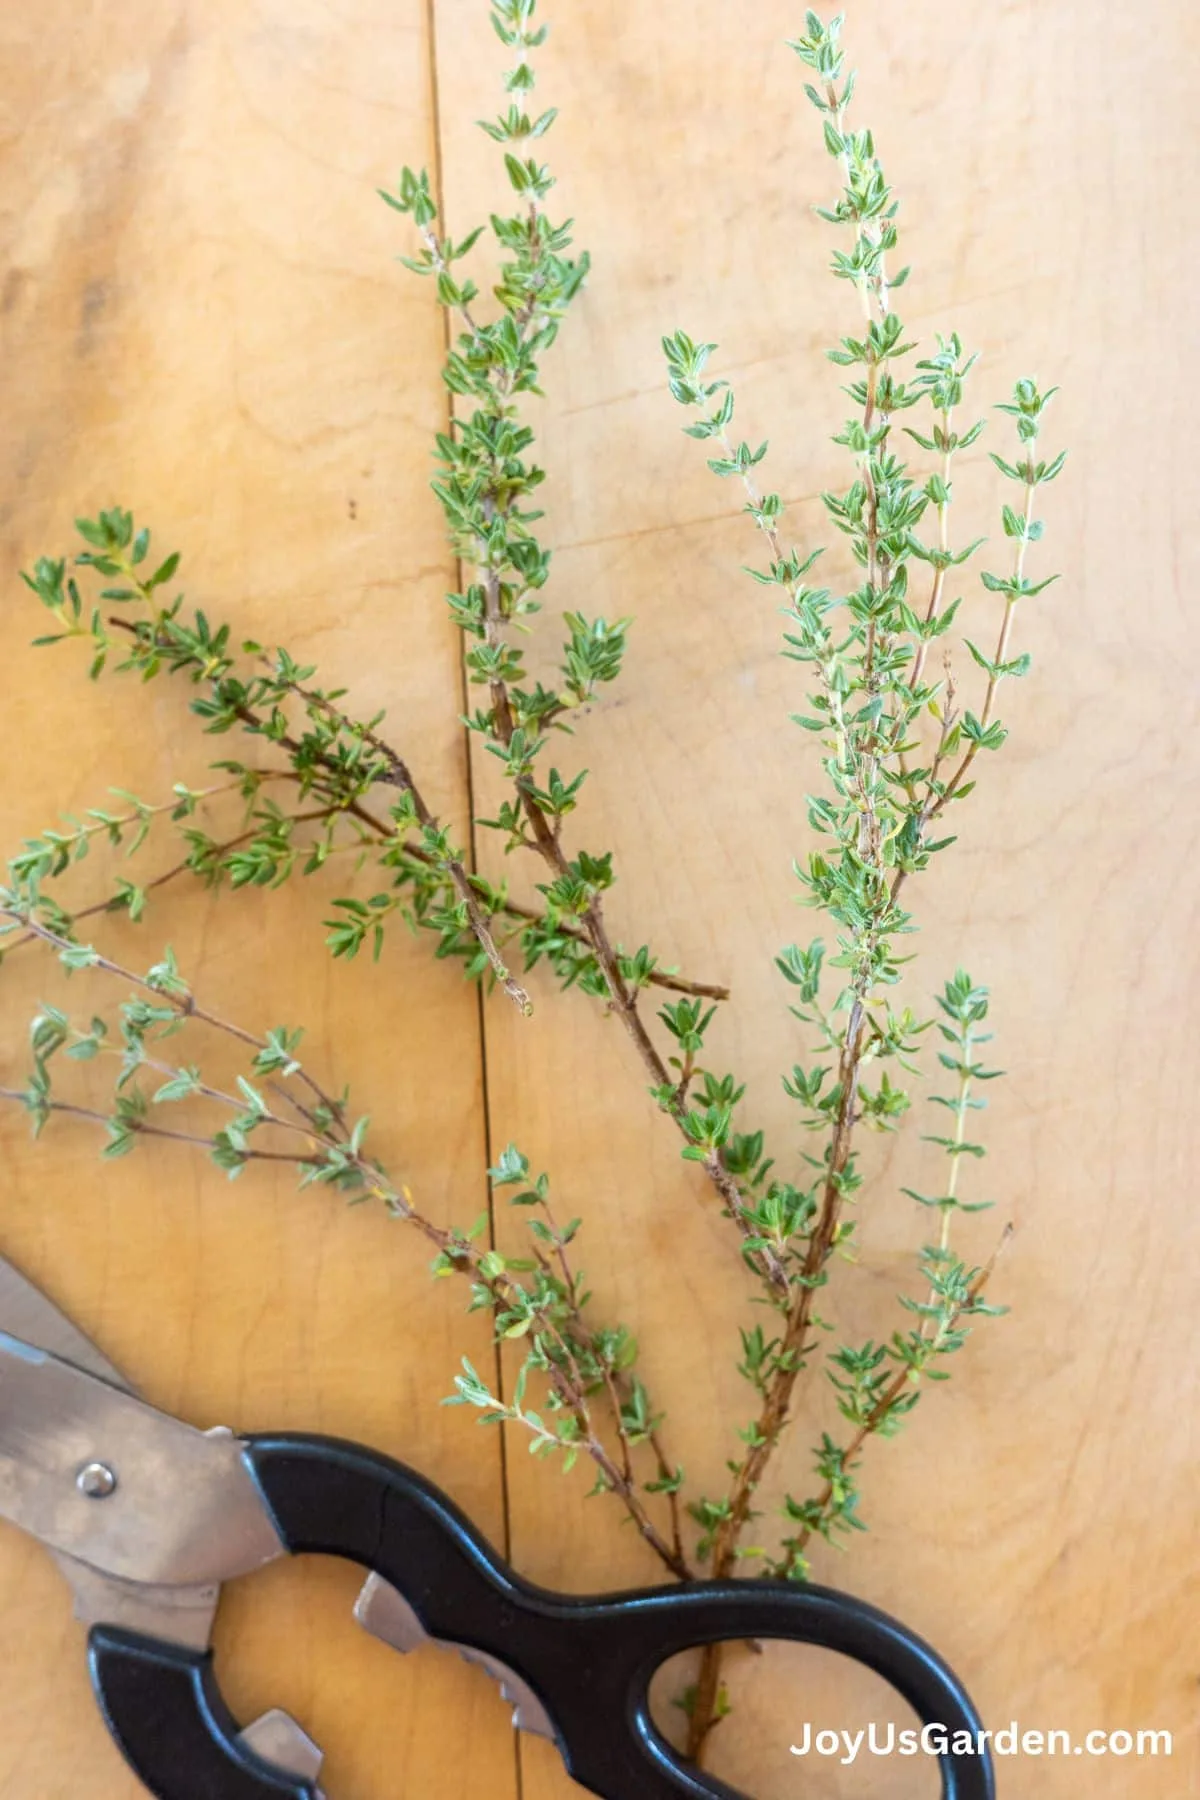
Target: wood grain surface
<point x="201" y="319"/>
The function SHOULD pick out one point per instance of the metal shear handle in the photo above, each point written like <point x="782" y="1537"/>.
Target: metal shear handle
<point x="590" y="1661"/>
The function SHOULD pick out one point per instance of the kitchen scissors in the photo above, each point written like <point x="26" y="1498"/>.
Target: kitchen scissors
<point x="147" y="1516"/>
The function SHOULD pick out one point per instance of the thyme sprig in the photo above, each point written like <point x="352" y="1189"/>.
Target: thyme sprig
<point x="485" y="483"/>
<point x="268" y="850"/>
<point x="332" y="755"/>
<point x="867" y="649"/>
<point x="278" y="1112"/>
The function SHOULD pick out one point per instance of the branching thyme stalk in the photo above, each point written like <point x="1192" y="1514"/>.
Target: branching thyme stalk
<point x="868" y="651"/>
<point x="896" y="747"/>
<point x="332" y="755"/>
<point x="265" y="853"/>
<point x="281" y="1114"/>
<point x="484" y="483"/>
<point x="879" y="1401"/>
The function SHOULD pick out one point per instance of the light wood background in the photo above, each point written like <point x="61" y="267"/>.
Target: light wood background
<point x="202" y="319"/>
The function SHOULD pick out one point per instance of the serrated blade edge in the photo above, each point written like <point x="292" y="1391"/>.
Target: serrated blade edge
<point x="383" y="1610"/>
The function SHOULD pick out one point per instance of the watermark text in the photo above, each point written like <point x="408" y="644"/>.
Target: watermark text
<point x="1009" y="1740"/>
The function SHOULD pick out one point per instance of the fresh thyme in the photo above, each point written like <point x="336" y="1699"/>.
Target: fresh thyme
<point x="894" y="748"/>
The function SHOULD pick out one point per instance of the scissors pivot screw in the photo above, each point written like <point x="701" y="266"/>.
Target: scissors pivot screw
<point x="96" y="1480"/>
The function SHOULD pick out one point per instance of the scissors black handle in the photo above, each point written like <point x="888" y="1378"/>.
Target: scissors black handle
<point x="589" y="1661"/>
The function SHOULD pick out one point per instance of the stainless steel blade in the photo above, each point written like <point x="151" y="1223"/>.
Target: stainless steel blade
<point x="277" y="1738"/>
<point x="174" y="1615"/>
<point x="94" y="1472"/>
<point x="26" y="1313"/>
<point x="383" y="1611"/>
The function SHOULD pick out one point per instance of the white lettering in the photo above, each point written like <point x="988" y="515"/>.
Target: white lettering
<point x="934" y="1739"/>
